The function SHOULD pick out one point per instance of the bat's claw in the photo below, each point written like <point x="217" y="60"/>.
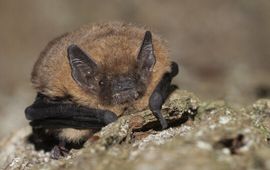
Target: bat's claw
<point x="59" y="151"/>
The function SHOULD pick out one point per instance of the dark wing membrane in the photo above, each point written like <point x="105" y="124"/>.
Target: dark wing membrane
<point x="65" y="123"/>
<point x="56" y="114"/>
<point x="48" y="110"/>
<point x="161" y="93"/>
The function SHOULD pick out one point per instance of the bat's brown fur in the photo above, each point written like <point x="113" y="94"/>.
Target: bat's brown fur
<point x="114" y="46"/>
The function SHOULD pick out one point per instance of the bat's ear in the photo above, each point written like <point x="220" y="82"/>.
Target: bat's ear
<point x="146" y="58"/>
<point x="83" y="68"/>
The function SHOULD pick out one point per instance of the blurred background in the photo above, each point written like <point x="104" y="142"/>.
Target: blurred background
<point x="223" y="47"/>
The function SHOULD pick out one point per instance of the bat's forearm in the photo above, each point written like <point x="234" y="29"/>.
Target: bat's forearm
<point x="56" y="114"/>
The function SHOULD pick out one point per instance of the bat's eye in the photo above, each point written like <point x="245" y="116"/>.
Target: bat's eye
<point x="101" y="83"/>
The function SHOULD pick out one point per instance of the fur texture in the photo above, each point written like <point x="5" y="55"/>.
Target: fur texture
<point x="114" y="46"/>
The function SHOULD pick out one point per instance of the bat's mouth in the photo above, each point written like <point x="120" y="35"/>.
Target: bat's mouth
<point x="125" y="96"/>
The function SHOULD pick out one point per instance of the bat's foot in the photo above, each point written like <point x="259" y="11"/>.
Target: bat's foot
<point x="59" y="151"/>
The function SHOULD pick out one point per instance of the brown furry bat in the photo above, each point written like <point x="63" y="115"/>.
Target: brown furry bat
<point x="87" y="78"/>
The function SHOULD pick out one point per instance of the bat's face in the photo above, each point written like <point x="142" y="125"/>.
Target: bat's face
<point x="121" y="89"/>
<point x="111" y="88"/>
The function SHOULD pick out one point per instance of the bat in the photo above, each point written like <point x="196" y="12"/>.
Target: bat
<point x="88" y="78"/>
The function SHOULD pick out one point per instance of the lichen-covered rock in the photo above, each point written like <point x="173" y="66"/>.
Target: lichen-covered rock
<point x="202" y="135"/>
<point x="260" y="114"/>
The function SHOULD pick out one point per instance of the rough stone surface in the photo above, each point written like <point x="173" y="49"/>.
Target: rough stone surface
<point x="202" y="135"/>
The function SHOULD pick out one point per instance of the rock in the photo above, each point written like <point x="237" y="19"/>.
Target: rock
<point x="202" y="135"/>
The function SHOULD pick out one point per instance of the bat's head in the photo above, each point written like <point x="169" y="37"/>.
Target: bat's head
<point x="113" y="88"/>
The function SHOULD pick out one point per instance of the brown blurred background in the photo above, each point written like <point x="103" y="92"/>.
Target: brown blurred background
<point x="223" y="47"/>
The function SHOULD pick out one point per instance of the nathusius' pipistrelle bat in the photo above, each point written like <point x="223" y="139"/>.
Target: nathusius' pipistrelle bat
<point x="87" y="78"/>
